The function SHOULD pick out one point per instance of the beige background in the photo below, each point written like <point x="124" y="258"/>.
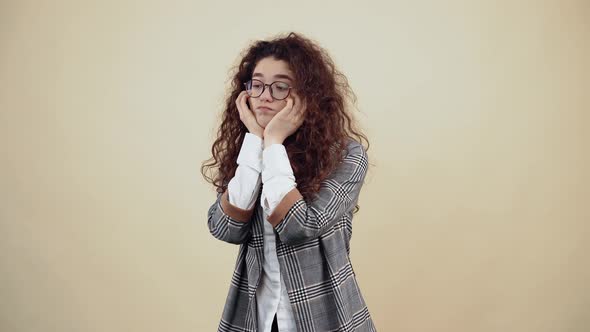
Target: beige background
<point x="475" y="212"/>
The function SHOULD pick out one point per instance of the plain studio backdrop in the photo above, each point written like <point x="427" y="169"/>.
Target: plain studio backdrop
<point x="474" y="215"/>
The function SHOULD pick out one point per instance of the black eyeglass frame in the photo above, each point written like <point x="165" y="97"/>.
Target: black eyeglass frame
<point x="264" y="85"/>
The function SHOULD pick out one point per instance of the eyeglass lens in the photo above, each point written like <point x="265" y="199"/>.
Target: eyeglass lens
<point x="278" y="90"/>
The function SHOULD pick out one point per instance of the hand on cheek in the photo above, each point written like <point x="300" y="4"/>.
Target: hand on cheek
<point x="243" y="103"/>
<point x="285" y="122"/>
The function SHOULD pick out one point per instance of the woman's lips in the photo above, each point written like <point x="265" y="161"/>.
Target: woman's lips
<point x="265" y="109"/>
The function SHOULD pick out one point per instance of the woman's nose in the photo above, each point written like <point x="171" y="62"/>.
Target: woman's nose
<point x="266" y="94"/>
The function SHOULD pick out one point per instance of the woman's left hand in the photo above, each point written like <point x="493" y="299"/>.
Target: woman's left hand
<point x="285" y="122"/>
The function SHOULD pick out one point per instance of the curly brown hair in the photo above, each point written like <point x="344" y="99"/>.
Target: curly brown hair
<point x="315" y="148"/>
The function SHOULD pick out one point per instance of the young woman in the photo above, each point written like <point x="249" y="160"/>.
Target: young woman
<point x="290" y="169"/>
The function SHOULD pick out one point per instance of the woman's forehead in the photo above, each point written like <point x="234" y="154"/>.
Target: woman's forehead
<point x="270" y="68"/>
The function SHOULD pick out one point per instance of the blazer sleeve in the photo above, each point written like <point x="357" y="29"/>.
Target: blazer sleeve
<point x="230" y="221"/>
<point x="227" y="222"/>
<point x="297" y="221"/>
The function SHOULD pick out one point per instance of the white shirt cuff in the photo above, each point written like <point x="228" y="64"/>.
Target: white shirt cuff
<point x="276" y="163"/>
<point x="251" y="152"/>
<point x="277" y="176"/>
<point x="243" y="188"/>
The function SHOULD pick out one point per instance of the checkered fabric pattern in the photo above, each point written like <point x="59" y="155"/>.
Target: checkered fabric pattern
<point x="313" y="247"/>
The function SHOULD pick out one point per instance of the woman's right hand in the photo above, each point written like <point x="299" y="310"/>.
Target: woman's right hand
<point x="247" y="116"/>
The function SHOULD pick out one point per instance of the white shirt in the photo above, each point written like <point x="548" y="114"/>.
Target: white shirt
<point x="272" y="168"/>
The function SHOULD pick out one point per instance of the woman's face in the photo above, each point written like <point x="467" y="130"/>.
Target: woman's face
<point x="269" y="70"/>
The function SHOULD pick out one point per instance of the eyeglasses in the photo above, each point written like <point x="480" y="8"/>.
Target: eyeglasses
<point x="278" y="90"/>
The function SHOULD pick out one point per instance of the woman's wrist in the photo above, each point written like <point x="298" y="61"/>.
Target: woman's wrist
<point x="268" y="141"/>
<point x="259" y="134"/>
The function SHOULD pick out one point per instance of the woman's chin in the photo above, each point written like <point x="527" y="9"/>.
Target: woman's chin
<point x="262" y="124"/>
<point x="263" y="121"/>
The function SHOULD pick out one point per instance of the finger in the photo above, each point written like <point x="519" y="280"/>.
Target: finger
<point x="239" y="98"/>
<point x="288" y="107"/>
<point x="299" y="117"/>
<point x="300" y="102"/>
<point x="240" y="105"/>
<point x="244" y="104"/>
<point x="298" y="108"/>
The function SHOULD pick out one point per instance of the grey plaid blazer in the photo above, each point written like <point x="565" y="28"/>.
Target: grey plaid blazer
<point x="313" y="246"/>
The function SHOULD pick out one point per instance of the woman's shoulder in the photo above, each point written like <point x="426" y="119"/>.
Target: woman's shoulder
<point x="354" y="149"/>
